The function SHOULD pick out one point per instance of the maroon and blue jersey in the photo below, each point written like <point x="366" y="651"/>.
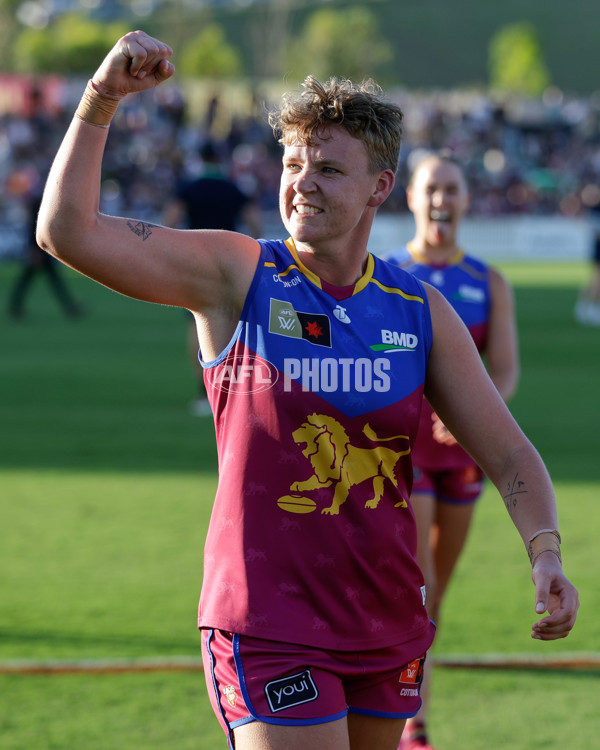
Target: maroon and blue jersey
<point x="464" y="282"/>
<point x="316" y="401"/>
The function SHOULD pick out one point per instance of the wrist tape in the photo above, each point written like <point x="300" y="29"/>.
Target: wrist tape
<point x="545" y="540"/>
<point x="96" y="109"/>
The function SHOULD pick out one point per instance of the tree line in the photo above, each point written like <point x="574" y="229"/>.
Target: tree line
<point x="346" y="42"/>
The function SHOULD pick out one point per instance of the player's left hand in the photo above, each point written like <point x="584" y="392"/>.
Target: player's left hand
<point x="441" y="433"/>
<point x="555" y="594"/>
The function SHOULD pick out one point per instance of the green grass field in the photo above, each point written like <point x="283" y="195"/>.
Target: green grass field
<point x="106" y="485"/>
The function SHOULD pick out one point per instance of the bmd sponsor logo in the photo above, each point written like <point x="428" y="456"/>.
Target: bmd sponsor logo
<point x="395" y="341"/>
<point x="244" y="374"/>
<point x="470" y="294"/>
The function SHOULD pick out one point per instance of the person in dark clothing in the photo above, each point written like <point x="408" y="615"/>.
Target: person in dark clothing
<point x="38" y="262"/>
<point x="210" y="201"/>
<point x="587" y="309"/>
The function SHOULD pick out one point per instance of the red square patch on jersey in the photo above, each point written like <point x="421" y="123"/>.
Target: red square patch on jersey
<point x="412" y="674"/>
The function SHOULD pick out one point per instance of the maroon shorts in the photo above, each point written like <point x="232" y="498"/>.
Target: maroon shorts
<point x="461" y="486"/>
<point x="250" y="679"/>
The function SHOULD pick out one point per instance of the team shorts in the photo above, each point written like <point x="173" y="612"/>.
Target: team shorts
<point x="251" y="679"/>
<point x="461" y="486"/>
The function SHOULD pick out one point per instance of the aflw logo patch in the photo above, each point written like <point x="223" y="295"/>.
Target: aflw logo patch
<point x="291" y="691"/>
<point x="285" y="321"/>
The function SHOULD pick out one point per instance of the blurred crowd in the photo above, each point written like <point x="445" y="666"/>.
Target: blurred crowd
<point x="535" y="157"/>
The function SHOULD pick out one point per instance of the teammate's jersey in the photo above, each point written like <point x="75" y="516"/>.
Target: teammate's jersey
<point x="316" y="402"/>
<point x="464" y="282"/>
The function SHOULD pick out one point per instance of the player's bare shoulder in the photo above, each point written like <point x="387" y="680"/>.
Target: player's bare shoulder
<point x="236" y="255"/>
<point x="227" y="262"/>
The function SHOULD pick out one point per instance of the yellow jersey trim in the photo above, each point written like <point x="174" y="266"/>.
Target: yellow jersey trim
<point x="419" y="257"/>
<point x="270" y="264"/>
<point x="366" y="278"/>
<point x="395" y="290"/>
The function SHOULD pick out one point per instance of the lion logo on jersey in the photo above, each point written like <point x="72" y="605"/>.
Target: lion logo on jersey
<point x="339" y="464"/>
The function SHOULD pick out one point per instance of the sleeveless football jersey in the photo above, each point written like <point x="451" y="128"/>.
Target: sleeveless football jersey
<point x="316" y="401"/>
<point x="464" y="282"/>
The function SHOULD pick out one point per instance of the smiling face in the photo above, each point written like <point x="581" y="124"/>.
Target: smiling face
<point x="328" y="192"/>
<point x="438" y="198"/>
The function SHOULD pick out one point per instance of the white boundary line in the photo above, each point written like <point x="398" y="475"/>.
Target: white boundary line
<point x="567" y="661"/>
<point x="581" y="661"/>
<point x="100" y="666"/>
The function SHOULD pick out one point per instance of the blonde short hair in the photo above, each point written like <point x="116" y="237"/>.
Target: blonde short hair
<point x="360" y="109"/>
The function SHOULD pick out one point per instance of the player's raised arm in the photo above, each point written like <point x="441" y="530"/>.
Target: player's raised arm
<point x="189" y="269"/>
<point x="462" y="393"/>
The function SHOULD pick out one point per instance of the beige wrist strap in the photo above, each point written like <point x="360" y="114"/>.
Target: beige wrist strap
<point x="544" y="540"/>
<point x="96" y="109"/>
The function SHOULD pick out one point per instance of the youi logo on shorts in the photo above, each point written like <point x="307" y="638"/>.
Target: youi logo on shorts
<point x="395" y="341"/>
<point x="291" y="691"/>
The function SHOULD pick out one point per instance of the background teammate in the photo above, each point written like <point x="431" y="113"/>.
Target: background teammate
<point x="447" y="481"/>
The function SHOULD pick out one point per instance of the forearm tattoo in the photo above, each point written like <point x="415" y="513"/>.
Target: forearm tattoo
<point x="141" y="228"/>
<point x="513" y="490"/>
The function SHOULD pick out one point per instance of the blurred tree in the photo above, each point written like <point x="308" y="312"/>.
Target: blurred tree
<point x="269" y="33"/>
<point x="343" y="43"/>
<point x="208" y="55"/>
<point x="70" y="44"/>
<point x="8" y="32"/>
<point x="516" y="62"/>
